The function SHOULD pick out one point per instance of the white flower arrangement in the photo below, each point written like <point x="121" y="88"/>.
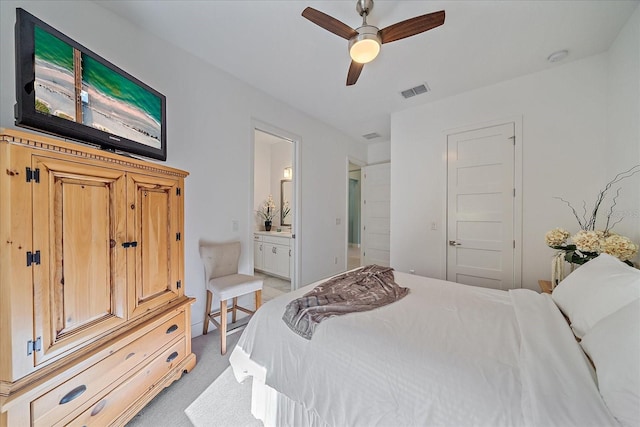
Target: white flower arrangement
<point x="557" y="237"/>
<point x="268" y="210"/>
<point x="588" y="243"/>
<point x="619" y="246"/>
<point x="286" y="210"/>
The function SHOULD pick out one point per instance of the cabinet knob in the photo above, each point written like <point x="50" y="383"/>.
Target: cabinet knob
<point x="76" y="392"/>
<point x="99" y="407"/>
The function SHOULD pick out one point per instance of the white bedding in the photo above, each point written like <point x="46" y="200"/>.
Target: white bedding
<point x="447" y="354"/>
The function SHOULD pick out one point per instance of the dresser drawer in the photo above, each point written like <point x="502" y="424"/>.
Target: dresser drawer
<point x="110" y="406"/>
<point x="72" y="394"/>
<point x="277" y="240"/>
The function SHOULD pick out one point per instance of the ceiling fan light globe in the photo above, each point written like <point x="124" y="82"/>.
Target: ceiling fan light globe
<point x="364" y="47"/>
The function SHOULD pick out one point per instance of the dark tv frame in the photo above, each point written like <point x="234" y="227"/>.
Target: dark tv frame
<point x="25" y="108"/>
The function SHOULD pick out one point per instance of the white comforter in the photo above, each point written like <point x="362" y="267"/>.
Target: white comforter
<point x="447" y="354"/>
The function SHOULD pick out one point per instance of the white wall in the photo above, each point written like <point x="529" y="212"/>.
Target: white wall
<point x="210" y="134"/>
<point x="379" y="152"/>
<point x="623" y="122"/>
<point x="564" y="115"/>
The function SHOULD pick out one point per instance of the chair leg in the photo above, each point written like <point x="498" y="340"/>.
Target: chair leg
<point x="258" y="298"/>
<point x="207" y="311"/>
<point x="234" y="309"/>
<point x="223" y="327"/>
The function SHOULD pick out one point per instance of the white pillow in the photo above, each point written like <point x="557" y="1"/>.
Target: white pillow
<point x="613" y="345"/>
<point x="595" y="290"/>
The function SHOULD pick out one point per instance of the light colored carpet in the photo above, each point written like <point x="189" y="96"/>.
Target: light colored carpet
<point x="224" y="403"/>
<point x="228" y="404"/>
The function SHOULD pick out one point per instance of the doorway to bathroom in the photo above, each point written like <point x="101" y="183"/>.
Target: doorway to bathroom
<point x="274" y="210"/>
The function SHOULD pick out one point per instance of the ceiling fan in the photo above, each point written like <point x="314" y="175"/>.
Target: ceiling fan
<point x="365" y="41"/>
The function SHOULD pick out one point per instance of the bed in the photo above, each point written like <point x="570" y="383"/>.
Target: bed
<point x="454" y="355"/>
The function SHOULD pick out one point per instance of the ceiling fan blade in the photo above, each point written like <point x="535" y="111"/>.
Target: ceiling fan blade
<point x="411" y="27"/>
<point x="354" y="72"/>
<point x="329" y="23"/>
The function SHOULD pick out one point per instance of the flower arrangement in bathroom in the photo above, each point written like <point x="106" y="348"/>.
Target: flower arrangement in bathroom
<point x="286" y="210"/>
<point x="267" y="212"/>
<point x="589" y="242"/>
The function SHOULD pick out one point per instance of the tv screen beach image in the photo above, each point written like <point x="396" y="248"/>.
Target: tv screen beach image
<point x="54" y="84"/>
<point x="110" y="101"/>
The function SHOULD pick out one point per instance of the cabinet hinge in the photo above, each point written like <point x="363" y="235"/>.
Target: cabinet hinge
<point x="179" y="284"/>
<point x="33" y="258"/>
<point x="514" y="244"/>
<point x="178" y="191"/>
<point x="34" y="346"/>
<point x="33" y="174"/>
<point x="514" y="192"/>
<point x="178" y="237"/>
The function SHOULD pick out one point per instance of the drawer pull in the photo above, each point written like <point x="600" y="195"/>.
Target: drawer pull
<point x="172" y="356"/>
<point x="99" y="407"/>
<point x="172" y="328"/>
<point x="73" y="394"/>
<point x="129" y="356"/>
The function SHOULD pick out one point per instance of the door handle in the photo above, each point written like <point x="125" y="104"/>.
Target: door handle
<point x="454" y="243"/>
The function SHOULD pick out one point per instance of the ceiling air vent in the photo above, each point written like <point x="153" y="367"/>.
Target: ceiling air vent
<point x="423" y="88"/>
<point x="372" y="135"/>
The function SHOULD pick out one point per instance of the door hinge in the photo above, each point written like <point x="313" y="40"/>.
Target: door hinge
<point x="33" y="174"/>
<point x="34" y="346"/>
<point x="179" y="284"/>
<point x="178" y="191"/>
<point x="178" y="236"/>
<point x="33" y="258"/>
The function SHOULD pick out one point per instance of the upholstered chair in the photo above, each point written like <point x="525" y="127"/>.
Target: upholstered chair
<point x="222" y="280"/>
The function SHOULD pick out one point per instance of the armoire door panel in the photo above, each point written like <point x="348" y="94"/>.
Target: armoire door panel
<point x="154" y="216"/>
<point x="80" y="284"/>
<point x="155" y="268"/>
<point x="83" y="282"/>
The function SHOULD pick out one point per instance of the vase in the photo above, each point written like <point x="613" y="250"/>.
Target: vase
<point x="267" y="225"/>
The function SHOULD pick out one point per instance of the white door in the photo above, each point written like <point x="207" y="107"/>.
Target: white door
<point x="376" y="212"/>
<point x="480" y="204"/>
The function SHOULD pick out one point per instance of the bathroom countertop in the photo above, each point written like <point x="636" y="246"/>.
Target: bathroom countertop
<point x="282" y="233"/>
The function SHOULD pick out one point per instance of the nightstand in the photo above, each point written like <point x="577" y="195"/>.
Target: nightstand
<point x="545" y="286"/>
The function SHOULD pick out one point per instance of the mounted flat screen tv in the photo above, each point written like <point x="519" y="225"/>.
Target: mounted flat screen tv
<point x="65" y="89"/>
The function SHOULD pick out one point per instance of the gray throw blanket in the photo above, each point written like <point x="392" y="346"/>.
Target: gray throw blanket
<point x="360" y="290"/>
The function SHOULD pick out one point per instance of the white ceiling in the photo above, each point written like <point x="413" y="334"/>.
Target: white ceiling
<point x="270" y="46"/>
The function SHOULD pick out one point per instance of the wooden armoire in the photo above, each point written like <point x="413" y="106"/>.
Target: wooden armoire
<point x="93" y="317"/>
